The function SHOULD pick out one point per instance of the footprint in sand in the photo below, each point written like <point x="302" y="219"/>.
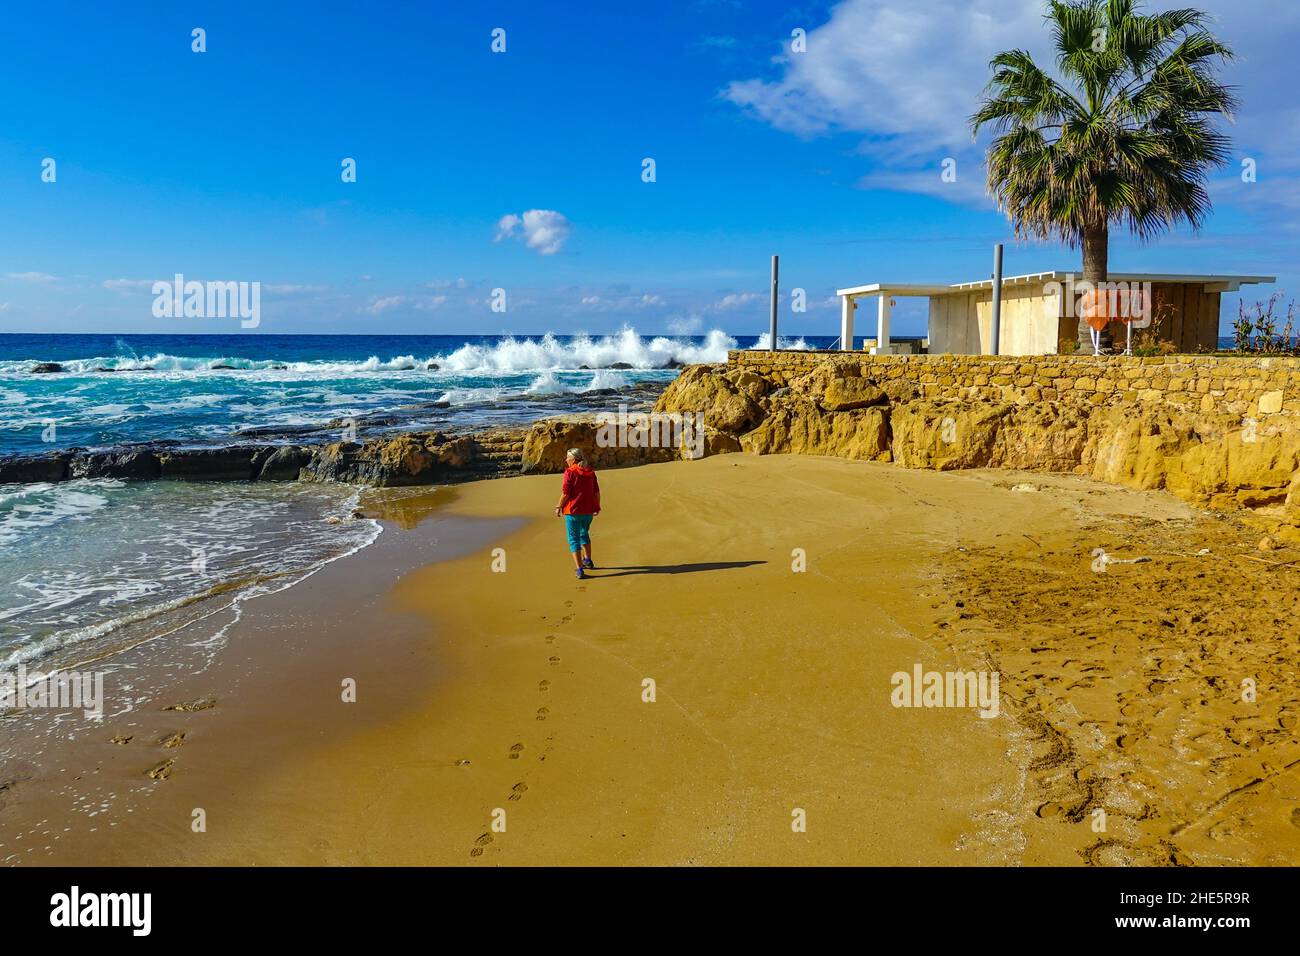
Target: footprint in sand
<point x="480" y="843"/>
<point x="8" y="785"/>
<point x="1220" y="831"/>
<point x="516" y="750"/>
<point x="1123" y="853"/>
<point x="553" y="660"/>
<point x="543" y="712"/>
<point x="190" y="706"/>
<point x="517" y="792"/>
<point x="544" y="686"/>
<point x="550" y="638"/>
<point x="1242" y="736"/>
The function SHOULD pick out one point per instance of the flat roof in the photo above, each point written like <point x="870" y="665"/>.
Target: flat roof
<point x="1231" y="283"/>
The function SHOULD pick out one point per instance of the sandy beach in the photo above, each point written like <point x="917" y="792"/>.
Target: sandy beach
<point x="503" y="717"/>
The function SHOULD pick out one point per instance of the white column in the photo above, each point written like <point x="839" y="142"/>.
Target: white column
<point x="882" y="325"/>
<point x="847" y="305"/>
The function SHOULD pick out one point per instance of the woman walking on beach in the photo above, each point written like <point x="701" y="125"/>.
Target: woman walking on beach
<point x="579" y="503"/>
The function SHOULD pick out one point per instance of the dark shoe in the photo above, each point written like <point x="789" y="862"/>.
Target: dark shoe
<point x="577" y="573"/>
<point x="587" y="563"/>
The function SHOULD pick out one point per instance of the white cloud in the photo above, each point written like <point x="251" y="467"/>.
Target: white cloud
<point x="905" y="78"/>
<point x="387" y="304"/>
<point x="968" y="188"/>
<point x="506" y="226"/>
<point x="129" y="285"/>
<point x="542" y="230"/>
<point x="292" y="289"/>
<point x="619" y="299"/>
<point x="390" y="303"/>
<point x="738" y="300"/>
<point x="909" y="74"/>
<point x="38" y="278"/>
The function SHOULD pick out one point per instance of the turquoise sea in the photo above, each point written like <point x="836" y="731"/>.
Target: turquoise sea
<point x="87" y="567"/>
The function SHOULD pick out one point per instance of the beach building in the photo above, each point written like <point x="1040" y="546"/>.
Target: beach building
<point x="1038" y="312"/>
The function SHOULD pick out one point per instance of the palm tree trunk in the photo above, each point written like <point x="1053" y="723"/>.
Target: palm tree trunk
<point x="1096" y="255"/>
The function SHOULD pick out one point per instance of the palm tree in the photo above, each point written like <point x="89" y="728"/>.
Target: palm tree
<point x="1125" y="136"/>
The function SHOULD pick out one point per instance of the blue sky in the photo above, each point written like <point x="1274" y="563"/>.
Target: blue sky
<point x="225" y="165"/>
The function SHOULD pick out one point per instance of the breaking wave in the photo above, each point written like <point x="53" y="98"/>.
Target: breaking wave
<point x="624" y="348"/>
<point x="512" y="354"/>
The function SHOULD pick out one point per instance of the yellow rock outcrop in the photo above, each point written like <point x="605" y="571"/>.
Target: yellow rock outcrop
<point x="1211" y="458"/>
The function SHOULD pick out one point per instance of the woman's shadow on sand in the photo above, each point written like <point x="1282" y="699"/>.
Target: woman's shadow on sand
<point x="672" y="568"/>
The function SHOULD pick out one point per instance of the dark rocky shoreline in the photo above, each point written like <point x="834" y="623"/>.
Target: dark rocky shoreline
<point x="394" y="453"/>
<point x="417" y="458"/>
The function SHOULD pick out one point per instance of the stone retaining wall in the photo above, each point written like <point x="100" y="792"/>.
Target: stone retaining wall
<point x="1247" y="387"/>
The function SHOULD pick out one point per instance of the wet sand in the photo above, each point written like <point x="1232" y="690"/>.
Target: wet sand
<point x="519" y="695"/>
<point x="192" y="722"/>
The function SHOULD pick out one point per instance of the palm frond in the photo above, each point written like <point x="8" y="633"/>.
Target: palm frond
<point x="1126" y="136"/>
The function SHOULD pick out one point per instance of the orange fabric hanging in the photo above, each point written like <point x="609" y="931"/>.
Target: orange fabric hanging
<point x="1099" y="308"/>
<point x="1134" y="311"/>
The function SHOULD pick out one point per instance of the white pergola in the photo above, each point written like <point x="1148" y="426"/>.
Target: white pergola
<point x="886" y="292"/>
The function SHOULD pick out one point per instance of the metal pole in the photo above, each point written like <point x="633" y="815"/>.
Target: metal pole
<point x="997" y="298"/>
<point x="776" y="266"/>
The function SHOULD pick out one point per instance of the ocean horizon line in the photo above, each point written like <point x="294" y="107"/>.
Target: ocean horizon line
<point x="264" y="335"/>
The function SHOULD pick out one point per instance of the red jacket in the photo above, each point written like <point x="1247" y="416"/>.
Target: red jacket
<point x="581" y="491"/>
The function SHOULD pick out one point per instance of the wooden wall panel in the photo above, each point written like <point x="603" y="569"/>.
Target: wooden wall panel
<point x="1163" y="293"/>
<point x="1211" y="304"/>
<point x="1179" y="298"/>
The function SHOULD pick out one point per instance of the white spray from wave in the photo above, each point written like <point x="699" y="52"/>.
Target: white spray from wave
<point x="624" y="348"/>
<point x="789" y="345"/>
<point x="549" y="383"/>
<point x="509" y="355"/>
